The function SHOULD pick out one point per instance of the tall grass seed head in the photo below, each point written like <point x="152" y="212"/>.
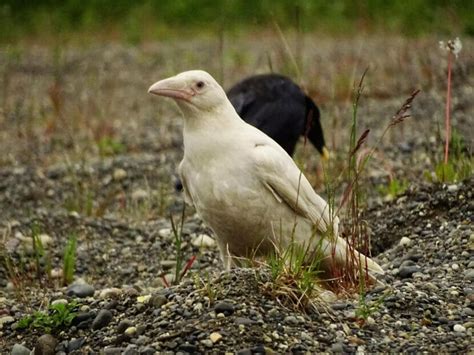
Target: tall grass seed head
<point x="453" y="45"/>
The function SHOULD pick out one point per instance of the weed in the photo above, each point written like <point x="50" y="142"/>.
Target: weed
<point x="109" y="146"/>
<point x="294" y="273"/>
<point x="69" y="260"/>
<point x="57" y="317"/>
<point x="181" y="267"/>
<point x="366" y="308"/>
<point x="394" y="188"/>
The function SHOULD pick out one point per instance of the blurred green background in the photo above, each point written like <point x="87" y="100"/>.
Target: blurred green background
<point x="140" y="20"/>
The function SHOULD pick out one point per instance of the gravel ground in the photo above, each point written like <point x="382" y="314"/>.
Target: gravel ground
<point x="56" y="178"/>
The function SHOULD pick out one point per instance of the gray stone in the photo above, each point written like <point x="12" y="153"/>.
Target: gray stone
<point x="19" y="349"/>
<point x="102" y="319"/>
<point x="75" y="344"/>
<point x="158" y="300"/>
<point x="223" y="307"/>
<point x="408" y="271"/>
<point x="45" y="345"/>
<point x="290" y="320"/>
<point x="469" y="274"/>
<point x="80" y="290"/>
<point x="123" y="325"/>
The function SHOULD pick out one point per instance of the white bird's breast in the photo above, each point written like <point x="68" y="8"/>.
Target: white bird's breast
<point x="234" y="202"/>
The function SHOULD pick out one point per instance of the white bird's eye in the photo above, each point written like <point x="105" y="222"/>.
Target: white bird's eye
<point x="200" y="84"/>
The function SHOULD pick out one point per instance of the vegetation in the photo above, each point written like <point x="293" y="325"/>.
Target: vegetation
<point x="69" y="260"/>
<point x="58" y="316"/>
<point x="141" y="19"/>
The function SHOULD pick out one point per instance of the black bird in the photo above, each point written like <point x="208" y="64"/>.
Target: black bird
<point x="277" y="106"/>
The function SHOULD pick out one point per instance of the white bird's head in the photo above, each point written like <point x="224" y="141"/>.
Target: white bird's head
<point x="194" y="91"/>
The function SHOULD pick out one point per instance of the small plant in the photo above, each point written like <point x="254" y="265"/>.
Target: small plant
<point x="57" y="317"/>
<point x="181" y="267"/>
<point x="69" y="260"/>
<point x="453" y="47"/>
<point x="457" y="166"/>
<point x="366" y="308"/>
<point x="109" y="146"/>
<point x="394" y="188"/>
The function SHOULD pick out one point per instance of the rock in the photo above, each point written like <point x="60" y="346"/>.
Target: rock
<point x="188" y="348"/>
<point x="131" y="350"/>
<point x="144" y="299"/>
<point x="119" y="174"/>
<point x="459" y="328"/>
<point x="404" y="242"/>
<point x="75" y="344"/>
<point x="408" y="271"/>
<point x="327" y="296"/>
<point x="102" y="319"/>
<point x="130" y="331"/>
<point x="215" y="337"/>
<point x="204" y="241"/>
<point x="59" y="301"/>
<point x="111" y="292"/>
<point x="158" y="300"/>
<point x="45" y="345"/>
<point x="148" y="351"/>
<point x="337" y="348"/>
<point x="139" y="195"/>
<point x="469" y="274"/>
<point x="80" y="290"/>
<point x="223" y="307"/>
<point x="244" y="321"/>
<point x="207" y="343"/>
<point x="168" y="264"/>
<point x="6" y="320"/>
<point x="453" y="188"/>
<point x="290" y="320"/>
<point x="124" y="325"/>
<point x="19" y="349"/>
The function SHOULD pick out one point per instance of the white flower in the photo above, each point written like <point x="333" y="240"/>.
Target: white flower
<point x="453" y="45"/>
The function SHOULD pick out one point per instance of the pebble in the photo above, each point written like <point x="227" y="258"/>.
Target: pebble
<point x="111" y="292"/>
<point x="119" y="174"/>
<point x="80" y="290"/>
<point x="6" y="320"/>
<point x="204" y="241"/>
<point x="75" y="344"/>
<point x="158" y="300"/>
<point x="102" y="319"/>
<point x="123" y="325"/>
<point x="215" y="337"/>
<point x="404" y="242"/>
<point x="408" y="271"/>
<point x="455" y="267"/>
<point x="19" y="349"/>
<point x="131" y="331"/>
<point x="223" y="307"/>
<point x="59" y="301"/>
<point x="291" y="320"/>
<point x="207" y="343"/>
<point x="469" y="274"/>
<point x="139" y="195"/>
<point x="46" y="345"/>
<point x="459" y="328"/>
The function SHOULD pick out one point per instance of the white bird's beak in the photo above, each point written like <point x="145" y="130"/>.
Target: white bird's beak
<point x="171" y="87"/>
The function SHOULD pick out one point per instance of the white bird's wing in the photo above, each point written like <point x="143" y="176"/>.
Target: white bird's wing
<point x="287" y="183"/>
<point x="187" y="196"/>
